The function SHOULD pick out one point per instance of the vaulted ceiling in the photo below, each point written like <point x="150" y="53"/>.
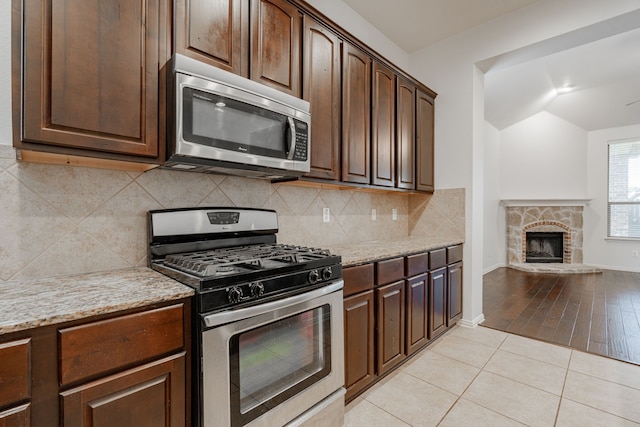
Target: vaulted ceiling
<point x="602" y="69"/>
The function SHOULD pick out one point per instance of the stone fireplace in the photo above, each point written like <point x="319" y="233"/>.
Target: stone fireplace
<point x="544" y="217"/>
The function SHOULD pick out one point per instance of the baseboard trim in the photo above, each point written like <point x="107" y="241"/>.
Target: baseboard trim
<point x="471" y="323"/>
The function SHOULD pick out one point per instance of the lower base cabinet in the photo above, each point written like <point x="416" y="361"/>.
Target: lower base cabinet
<point x="438" y="298"/>
<point x="394" y="313"/>
<point x="125" y="369"/>
<point x="390" y="331"/>
<point x="454" y="280"/>
<point x="417" y="327"/>
<point x="149" y="395"/>
<point x="359" y="333"/>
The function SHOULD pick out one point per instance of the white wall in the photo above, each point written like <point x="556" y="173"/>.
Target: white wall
<point x="449" y="68"/>
<point x="343" y="15"/>
<point x="607" y="253"/>
<point x="543" y="157"/>
<point x="494" y="244"/>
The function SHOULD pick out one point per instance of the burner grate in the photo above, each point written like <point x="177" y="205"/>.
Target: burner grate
<point x="240" y="259"/>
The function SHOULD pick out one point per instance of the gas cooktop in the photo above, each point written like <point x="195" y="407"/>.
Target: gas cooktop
<point x="230" y="256"/>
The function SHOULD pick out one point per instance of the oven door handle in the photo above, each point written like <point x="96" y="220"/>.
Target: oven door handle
<point x="224" y="317"/>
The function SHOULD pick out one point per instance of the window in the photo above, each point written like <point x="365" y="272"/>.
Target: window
<point x="624" y="189"/>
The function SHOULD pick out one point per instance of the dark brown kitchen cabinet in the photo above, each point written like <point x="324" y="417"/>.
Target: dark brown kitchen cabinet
<point x="356" y="115"/>
<point x="390" y="316"/>
<point x="417" y="325"/>
<point x="454" y="283"/>
<point x="214" y="32"/>
<point x="322" y="88"/>
<point x="454" y="297"/>
<point x="359" y="327"/>
<point x="148" y="395"/>
<point x="359" y="339"/>
<point x="406" y="134"/>
<point x="383" y="126"/>
<point x="15" y="383"/>
<point x="424" y="142"/>
<point x="276" y="45"/>
<point x="121" y="369"/>
<point x="438" y="301"/>
<point x="90" y="76"/>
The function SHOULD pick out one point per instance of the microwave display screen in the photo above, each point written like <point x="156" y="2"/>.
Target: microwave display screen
<point x="220" y="122"/>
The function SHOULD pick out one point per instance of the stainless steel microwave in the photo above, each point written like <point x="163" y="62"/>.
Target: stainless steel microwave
<point x="220" y="122"/>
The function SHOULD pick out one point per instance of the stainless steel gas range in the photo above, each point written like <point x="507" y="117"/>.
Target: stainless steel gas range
<point x="268" y="346"/>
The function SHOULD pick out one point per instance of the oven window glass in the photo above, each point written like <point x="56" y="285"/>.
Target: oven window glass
<point x="221" y="122"/>
<point x="273" y="362"/>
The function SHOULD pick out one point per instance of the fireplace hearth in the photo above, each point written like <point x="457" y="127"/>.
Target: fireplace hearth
<point x="544" y="247"/>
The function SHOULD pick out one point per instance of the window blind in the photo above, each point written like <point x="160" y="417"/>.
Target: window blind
<point x="623" y="219"/>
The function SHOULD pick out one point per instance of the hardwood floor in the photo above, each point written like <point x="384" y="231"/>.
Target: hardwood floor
<point x="596" y="313"/>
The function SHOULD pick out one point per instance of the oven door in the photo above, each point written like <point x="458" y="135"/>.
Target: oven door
<point x="267" y="364"/>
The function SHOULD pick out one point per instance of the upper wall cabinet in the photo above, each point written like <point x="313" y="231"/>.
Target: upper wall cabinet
<point x="90" y="75"/>
<point x="356" y="115"/>
<point x="406" y="134"/>
<point x="424" y="142"/>
<point x="258" y="39"/>
<point x="383" y="126"/>
<point x="276" y="43"/>
<point x="322" y="89"/>
<point x="215" y="32"/>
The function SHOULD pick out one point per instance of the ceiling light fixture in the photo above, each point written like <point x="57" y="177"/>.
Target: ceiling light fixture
<point x="564" y="89"/>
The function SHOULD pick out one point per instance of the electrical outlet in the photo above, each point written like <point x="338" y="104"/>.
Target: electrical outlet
<point x="634" y="253"/>
<point x="394" y="214"/>
<point x="326" y="217"/>
<point x="373" y="214"/>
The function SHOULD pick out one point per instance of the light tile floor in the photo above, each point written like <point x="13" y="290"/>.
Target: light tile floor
<point x="483" y="377"/>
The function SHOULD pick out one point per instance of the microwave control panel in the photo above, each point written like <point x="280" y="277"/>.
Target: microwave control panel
<point x="302" y="141"/>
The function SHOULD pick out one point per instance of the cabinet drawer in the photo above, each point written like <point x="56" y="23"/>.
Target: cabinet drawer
<point x="437" y="258"/>
<point x="389" y="271"/>
<point x="16" y="417"/>
<point x="357" y="279"/>
<point x="454" y="254"/>
<point x="14" y="372"/>
<point x="100" y="347"/>
<point x="417" y="264"/>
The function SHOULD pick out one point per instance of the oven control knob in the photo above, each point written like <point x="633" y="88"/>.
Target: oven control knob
<point x="257" y="289"/>
<point x="326" y="273"/>
<point x="314" y="276"/>
<point x="234" y="295"/>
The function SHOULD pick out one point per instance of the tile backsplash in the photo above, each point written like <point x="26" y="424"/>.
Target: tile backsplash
<point x="57" y="220"/>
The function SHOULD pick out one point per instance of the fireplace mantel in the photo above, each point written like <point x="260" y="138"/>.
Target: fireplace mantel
<point x="545" y="202"/>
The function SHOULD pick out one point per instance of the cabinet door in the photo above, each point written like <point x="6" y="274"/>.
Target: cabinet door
<point x="454" y="312"/>
<point x="406" y="135"/>
<point x="150" y="395"/>
<point x="91" y="74"/>
<point x="356" y="115"/>
<point x="215" y="32"/>
<point x="358" y="345"/>
<point x="383" y="138"/>
<point x="322" y="90"/>
<point x="15" y="372"/>
<point x="276" y="42"/>
<point x="16" y="417"/>
<point x="424" y="142"/>
<point x="438" y="301"/>
<point x="390" y="316"/>
<point x="417" y="312"/>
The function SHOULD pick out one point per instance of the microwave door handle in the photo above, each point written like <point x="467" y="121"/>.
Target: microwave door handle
<point x="292" y="138"/>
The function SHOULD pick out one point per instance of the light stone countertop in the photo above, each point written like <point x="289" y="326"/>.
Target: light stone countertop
<point x="361" y="253"/>
<point x="26" y="304"/>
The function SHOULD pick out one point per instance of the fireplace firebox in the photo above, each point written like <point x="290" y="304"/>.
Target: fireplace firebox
<point x="544" y="247"/>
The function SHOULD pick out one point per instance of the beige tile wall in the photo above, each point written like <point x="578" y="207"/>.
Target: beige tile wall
<point x="57" y="220"/>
